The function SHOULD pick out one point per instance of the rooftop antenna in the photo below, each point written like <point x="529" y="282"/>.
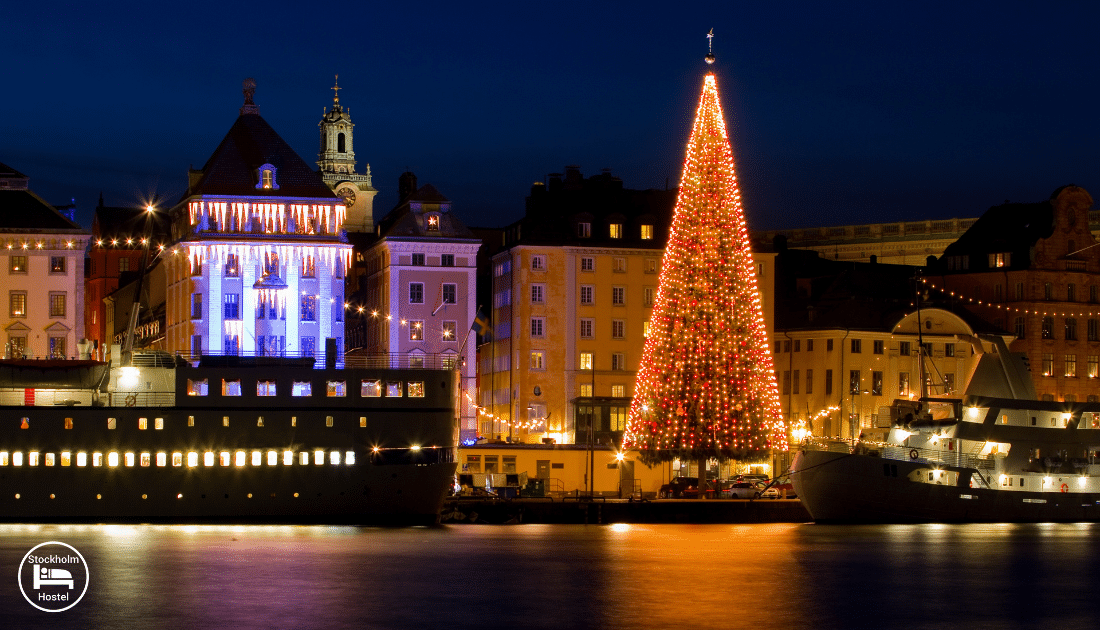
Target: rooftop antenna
<point x="710" y="48"/>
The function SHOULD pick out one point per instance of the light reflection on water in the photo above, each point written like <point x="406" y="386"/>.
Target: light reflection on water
<point x="566" y="576"/>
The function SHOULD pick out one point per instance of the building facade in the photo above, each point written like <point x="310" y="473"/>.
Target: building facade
<point x="261" y="252"/>
<point x="43" y="272"/>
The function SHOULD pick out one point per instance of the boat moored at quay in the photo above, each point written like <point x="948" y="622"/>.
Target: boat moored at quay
<point x="992" y="454"/>
<point x="227" y="438"/>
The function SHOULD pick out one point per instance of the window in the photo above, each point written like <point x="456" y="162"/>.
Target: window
<point x="786" y="388"/>
<point x="433" y="222"/>
<point x="1071" y="292"/>
<point x="1048" y="327"/>
<point x="309" y="269"/>
<point x="124" y="265"/>
<point x="1048" y="364"/>
<point x="198" y="387"/>
<point x="538" y="292"/>
<point x="416" y="330"/>
<point x="336" y="389"/>
<point x="538" y="263"/>
<point x="588" y="264"/>
<point x="17" y="264"/>
<point x="618" y="296"/>
<point x="301" y="389"/>
<point x="647" y="296"/>
<point x="877" y="346"/>
<point x="538" y="360"/>
<point x="232" y="306"/>
<point x="57" y="347"/>
<point x="265" y="388"/>
<point x="416" y="389"/>
<point x="618" y="361"/>
<point x="809" y="381"/>
<point x="828" y="345"/>
<point x="232" y="267"/>
<point x="618" y="328"/>
<point x="857" y="346"/>
<point x="370" y="388"/>
<point x="585" y="390"/>
<point x="231" y="387"/>
<point x="584" y="230"/>
<point x="786" y="345"/>
<point x="853" y="382"/>
<point x="1071" y="329"/>
<point x="1071" y="365"/>
<point x="447" y="260"/>
<point x="57" y="304"/>
<point x="1094" y="330"/>
<point x="809" y="347"/>
<point x="651" y="265"/>
<point x="645" y="329"/>
<point x="794" y="382"/>
<point x="18" y="346"/>
<point x="1019" y="290"/>
<point x="196" y="306"/>
<point x="309" y="346"/>
<point x="538" y="325"/>
<point x="1094" y="366"/>
<point x="903" y="383"/>
<point x="17" y="301"/>
<point x="1048" y="291"/>
<point x="450" y="331"/>
<point x="618" y="265"/>
<point x="309" y="308"/>
<point x="949" y="350"/>
<point x="418" y="260"/>
<point x="1019" y="328"/>
<point x="57" y="264"/>
<point x="647" y="232"/>
<point x="416" y="293"/>
<point x="1000" y="259"/>
<point x="587" y="292"/>
<point x="615" y="230"/>
<point x="1094" y="293"/>
<point x="450" y="293"/>
<point x="828" y="382"/>
<point x="586" y="361"/>
<point x="798" y="345"/>
<point x="587" y="326"/>
<point x="876" y="383"/>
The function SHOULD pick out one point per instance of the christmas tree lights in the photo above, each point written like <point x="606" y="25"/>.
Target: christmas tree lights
<point x="706" y="387"/>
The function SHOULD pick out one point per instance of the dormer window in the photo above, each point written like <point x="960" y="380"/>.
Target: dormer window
<point x="268" y="179"/>
<point x="433" y="222"/>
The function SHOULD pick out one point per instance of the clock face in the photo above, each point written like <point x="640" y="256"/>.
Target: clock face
<point x="348" y="195"/>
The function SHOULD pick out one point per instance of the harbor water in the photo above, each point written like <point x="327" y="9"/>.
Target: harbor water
<point x="569" y="576"/>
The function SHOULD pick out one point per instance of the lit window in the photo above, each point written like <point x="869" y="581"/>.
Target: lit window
<point x="336" y="389"/>
<point x="334" y="458"/>
<point x="538" y="361"/>
<point x="81" y="459"/>
<point x="394" y="389"/>
<point x="32" y="458"/>
<point x="129" y="458"/>
<point x="146" y="459"/>
<point x="328" y="421"/>
<point x="647" y="232"/>
<point x="318" y="458"/>
<point x="272" y="458"/>
<point x="371" y="388"/>
<point x="303" y="458"/>
<point x="66" y="458"/>
<point x="363" y="421"/>
<point x="17" y="458"/>
<point x="197" y="387"/>
<point x="257" y="458"/>
<point x="112" y="459"/>
<point x="349" y="458"/>
<point x="231" y="387"/>
<point x="586" y="361"/>
<point x="177" y="459"/>
<point x="143" y="423"/>
<point x="302" y="389"/>
<point x="50" y="460"/>
<point x="207" y="458"/>
<point x="265" y="388"/>
<point x="416" y="389"/>
<point x="97" y="459"/>
<point x="226" y="458"/>
<point x="433" y="222"/>
<point x="158" y="424"/>
<point x="416" y="330"/>
<point x="288" y="458"/>
<point x="616" y="230"/>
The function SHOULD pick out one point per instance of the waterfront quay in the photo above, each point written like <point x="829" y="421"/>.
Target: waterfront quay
<point x="599" y="511"/>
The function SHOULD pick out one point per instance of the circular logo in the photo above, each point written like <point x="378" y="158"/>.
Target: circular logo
<point x="53" y="577"/>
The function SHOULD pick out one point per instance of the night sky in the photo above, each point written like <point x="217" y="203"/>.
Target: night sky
<point x="865" y="113"/>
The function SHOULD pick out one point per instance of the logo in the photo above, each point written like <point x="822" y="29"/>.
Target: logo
<point x="53" y="577"/>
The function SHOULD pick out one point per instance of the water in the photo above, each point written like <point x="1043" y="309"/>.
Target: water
<point x="571" y="576"/>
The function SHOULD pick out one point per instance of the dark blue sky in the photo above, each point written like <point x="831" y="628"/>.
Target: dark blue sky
<point x="861" y="113"/>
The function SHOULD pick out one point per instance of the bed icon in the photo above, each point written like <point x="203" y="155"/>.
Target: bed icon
<point x="51" y="577"/>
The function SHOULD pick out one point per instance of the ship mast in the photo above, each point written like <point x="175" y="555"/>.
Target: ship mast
<point x="921" y="374"/>
<point x="131" y="329"/>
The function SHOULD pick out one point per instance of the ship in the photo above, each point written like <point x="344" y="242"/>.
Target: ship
<point x="992" y="454"/>
<point x="227" y="439"/>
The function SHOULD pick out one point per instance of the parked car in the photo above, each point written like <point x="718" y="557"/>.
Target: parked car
<point x="679" y="488"/>
<point x="785" y="488"/>
<point x="752" y="490"/>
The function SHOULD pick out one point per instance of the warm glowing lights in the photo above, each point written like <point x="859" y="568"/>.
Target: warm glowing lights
<point x="706" y="386"/>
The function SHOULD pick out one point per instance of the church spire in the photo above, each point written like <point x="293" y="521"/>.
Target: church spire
<point x="336" y="94"/>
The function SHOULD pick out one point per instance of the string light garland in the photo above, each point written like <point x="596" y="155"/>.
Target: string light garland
<point x="706" y="386"/>
<point x="535" y="424"/>
<point x="1004" y="307"/>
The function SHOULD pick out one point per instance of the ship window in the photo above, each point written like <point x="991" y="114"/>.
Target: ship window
<point x="50" y="460"/>
<point x="257" y="458"/>
<point x="1033" y="420"/>
<point x="177" y="458"/>
<point x="129" y="458"/>
<point x="158" y="423"/>
<point x="3" y="458"/>
<point x="225" y="458"/>
<point x="302" y="388"/>
<point x="208" y="458"/>
<point x="303" y="458"/>
<point x="371" y="388"/>
<point x="26" y="423"/>
<point x="68" y="423"/>
<point x="293" y="421"/>
<point x="349" y="458"/>
<point x="17" y="458"/>
<point x="231" y="387"/>
<point x="336" y="388"/>
<point x="260" y="421"/>
<point x="362" y="421"/>
<point x="328" y="421"/>
<point x="225" y="421"/>
<point x="162" y="459"/>
<point x="192" y="459"/>
<point x="288" y="458"/>
<point x="82" y="459"/>
<point x="190" y="421"/>
<point x="198" y="387"/>
<point x="265" y="388"/>
<point x="1021" y="482"/>
<point x="416" y="389"/>
<point x="66" y="458"/>
<point x="111" y="423"/>
<point x="97" y="459"/>
<point x="1004" y="419"/>
<point x="393" y="390"/>
<point x="240" y="458"/>
<point x="32" y="458"/>
<point x="143" y="423"/>
<point x="112" y="459"/>
<point x="146" y="459"/>
<point x="272" y="458"/>
<point x="319" y="458"/>
<point x="334" y="458"/>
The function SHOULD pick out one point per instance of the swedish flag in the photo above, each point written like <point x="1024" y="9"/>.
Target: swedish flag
<point x="481" y="325"/>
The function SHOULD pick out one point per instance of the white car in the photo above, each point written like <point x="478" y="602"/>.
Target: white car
<point x="751" y="490"/>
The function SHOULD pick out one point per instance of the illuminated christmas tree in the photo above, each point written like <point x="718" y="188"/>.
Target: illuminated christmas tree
<point x="706" y="387"/>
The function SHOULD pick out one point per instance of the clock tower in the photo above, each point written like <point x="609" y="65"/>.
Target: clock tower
<point x="337" y="161"/>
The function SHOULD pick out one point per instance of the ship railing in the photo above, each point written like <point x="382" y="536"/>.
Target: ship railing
<point x="939" y="456"/>
<point x="141" y="399"/>
<point x="356" y="360"/>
